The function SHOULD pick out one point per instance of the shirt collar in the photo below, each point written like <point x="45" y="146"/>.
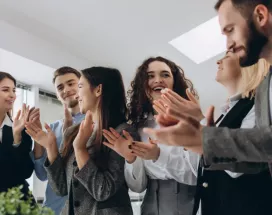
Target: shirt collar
<point x="7" y="121"/>
<point x="231" y="102"/>
<point x="76" y="115"/>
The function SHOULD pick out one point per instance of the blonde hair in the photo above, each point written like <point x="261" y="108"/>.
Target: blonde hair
<point x="252" y="76"/>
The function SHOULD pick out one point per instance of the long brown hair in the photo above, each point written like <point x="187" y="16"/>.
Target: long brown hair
<point x="112" y="109"/>
<point x="139" y="103"/>
<point x="4" y="75"/>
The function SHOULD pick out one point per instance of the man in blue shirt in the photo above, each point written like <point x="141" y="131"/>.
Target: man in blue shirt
<point x="66" y="84"/>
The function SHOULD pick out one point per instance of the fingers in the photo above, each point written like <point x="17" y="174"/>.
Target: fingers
<point x="31" y="109"/>
<point x="162" y="134"/>
<point x="35" y="113"/>
<point x="115" y="133"/>
<point x="152" y="141"/>
<point x="210" y="116"/>
<point x="23" y="108"/>
<point x="164" y="120"/>
<point x="191" y="96"/>
<point x="109" y="136"/>
<point x="137" y="149"/>
<point x="127" y="135"/>
<point x="47" y="127"/>
<point x="109" y="145"/>
<point x="66" y="111"/>
<point x="138" y="153"/>
<point x="26" y="113"/>
<point x="140" y="145"/>
<point x="157" y="108"/>
<point x="18" y="115"/>
<point x="182" y="117"/>
<point x="172" y="96"/>
<point x="171" y="102"/>
<point x="174" y="113"/>
<point x="36" y="121"/>
<point x="32" y="127"/>
<point x="31" y="133"/>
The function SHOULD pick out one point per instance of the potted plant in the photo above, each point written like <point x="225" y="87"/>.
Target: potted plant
<point x="12" y="203"/>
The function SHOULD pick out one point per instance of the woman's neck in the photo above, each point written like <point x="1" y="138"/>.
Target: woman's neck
<point x="233" y="87"/>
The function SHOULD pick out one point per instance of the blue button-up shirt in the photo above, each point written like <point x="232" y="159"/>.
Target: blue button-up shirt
<point x="51" y="200"/>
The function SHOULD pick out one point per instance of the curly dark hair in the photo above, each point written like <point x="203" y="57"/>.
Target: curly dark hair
<point x="139" y="105"/>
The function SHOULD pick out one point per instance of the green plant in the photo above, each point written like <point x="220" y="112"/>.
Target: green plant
<point x="12" y="203"/>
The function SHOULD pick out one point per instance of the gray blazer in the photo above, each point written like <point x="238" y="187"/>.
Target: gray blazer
<point x="242" y="150"/>
<point x="92" y="190"/>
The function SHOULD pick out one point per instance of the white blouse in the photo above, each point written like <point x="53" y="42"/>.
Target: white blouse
<point x="173" y="163"/>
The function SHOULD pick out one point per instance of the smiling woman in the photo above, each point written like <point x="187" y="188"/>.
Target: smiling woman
<point x="155" y="74"/>
<point x="15" y="145"/>
<point x="164" y="172"/>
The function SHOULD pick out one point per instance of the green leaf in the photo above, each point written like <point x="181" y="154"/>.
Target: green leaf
<point x="12" y="203"/>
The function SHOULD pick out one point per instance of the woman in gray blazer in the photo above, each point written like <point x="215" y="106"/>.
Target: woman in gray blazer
<point x="91" y="174"/>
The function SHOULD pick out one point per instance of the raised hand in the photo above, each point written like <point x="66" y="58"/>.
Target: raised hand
<point x="187" y="133"/>
<point x="85" y="132"/>
<point x="68" y="119"/>
<point x="20" y="119"/>
<point x="34" y="116"/>
<point x="45" y="139"/>
<point x="177" y="106"/>
<point x="118" y="143"/>
<point x="146" y="151"/>
<point x="163" y="119"/>
<point x="210" y="116"/>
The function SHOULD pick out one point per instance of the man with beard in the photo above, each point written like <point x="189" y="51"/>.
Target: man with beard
<point x="247" y="24"/>
<point x="66" y="84"/>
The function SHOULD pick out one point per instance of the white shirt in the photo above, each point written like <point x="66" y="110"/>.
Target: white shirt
<point x="171" y="164"/>
<point x="7" y="121"/>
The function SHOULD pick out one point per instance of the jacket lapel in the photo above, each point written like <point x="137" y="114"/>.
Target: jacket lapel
<point x="7" y="136"/>
<point x="262" y="102"/>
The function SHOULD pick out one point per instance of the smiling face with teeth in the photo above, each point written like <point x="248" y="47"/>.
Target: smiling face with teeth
<point x="159" y="77"/>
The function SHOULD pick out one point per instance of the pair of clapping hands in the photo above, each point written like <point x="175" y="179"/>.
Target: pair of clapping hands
<point x="178" y="119"/>
<point x="47" y="138"/>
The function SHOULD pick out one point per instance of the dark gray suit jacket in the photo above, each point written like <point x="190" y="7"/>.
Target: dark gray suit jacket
<point x="92" y="190"/>
<point x="242" y="150"/>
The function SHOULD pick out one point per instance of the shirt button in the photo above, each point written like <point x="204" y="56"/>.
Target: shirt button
<point x="205" y="184"/>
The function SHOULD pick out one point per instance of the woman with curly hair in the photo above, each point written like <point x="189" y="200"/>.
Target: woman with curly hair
<point x="165" y="172"/>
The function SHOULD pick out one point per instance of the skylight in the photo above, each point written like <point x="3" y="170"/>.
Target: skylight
<point x="201" y="43"/>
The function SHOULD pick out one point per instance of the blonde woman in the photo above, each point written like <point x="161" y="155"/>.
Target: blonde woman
<point x="226" y="192"/>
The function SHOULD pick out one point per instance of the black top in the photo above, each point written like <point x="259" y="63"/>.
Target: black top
<point x="15" y="162"/>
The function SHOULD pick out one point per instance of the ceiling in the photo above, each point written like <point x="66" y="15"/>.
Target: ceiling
<point x="117" y="33"/>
